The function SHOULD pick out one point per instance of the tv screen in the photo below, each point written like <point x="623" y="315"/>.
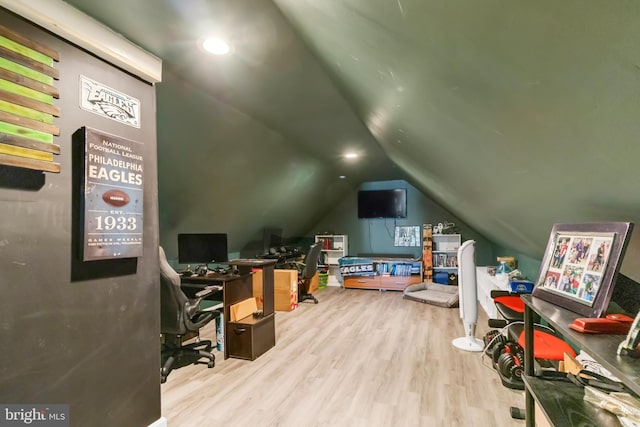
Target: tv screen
<point x="382" y="203"/>
<point x="203" y="248"/>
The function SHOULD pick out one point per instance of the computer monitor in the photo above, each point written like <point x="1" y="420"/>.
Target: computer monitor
<point x="202" y="248"/>
<point x="271" y="238"/>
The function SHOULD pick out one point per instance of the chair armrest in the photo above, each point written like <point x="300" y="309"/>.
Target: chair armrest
<point x="208" y="290"/>
<point x="495" y="293"/>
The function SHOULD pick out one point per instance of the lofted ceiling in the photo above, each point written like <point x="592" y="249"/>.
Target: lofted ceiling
<point x="512" y="115"/>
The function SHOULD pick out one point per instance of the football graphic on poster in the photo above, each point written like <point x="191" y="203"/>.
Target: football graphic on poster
<point x="116" y="198"/>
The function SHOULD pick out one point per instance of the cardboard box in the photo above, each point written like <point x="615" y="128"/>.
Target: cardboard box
<point x="314" y="285"/>
<point x="243" y="309"/>
<point x="285" y="289"/>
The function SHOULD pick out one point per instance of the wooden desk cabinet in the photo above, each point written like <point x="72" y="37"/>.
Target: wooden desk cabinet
<point x="250" y="337"/>
<point x="246" y="338"/>
<point x="562" y="403"/>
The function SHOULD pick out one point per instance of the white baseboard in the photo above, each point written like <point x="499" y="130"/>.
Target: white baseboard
<point x="160" y="422"/>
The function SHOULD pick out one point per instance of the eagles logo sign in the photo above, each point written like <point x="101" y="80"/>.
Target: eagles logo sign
<point x="105" y="101"/>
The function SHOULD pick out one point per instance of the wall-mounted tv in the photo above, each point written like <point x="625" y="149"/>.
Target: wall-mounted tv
<point x="382" y="203"/>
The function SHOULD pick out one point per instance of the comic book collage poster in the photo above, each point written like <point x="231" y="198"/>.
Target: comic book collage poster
<point x="577" y="265"/>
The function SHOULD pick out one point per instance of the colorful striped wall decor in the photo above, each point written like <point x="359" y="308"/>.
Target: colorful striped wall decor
<point x="27" y="93"/>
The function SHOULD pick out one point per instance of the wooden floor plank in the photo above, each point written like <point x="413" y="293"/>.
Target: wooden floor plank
<point x="358" y="358"/>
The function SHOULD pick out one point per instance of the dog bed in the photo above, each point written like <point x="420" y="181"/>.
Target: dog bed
<point x="433" y="293"/>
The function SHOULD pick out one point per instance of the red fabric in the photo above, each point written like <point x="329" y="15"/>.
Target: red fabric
<point x="514" y="302"/>
<point x="547" y="346"/>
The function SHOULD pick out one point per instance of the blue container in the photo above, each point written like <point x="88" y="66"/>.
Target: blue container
<point x="220" y="332"/>
<point x="441" y="277"/>
<point x="521" y="286"/>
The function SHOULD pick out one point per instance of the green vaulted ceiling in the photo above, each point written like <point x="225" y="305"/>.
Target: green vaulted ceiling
<point x="514" y="115"/>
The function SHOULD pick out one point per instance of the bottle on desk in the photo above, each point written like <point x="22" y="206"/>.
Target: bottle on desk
<point x="220" y="332"/>
<point x="502" y="274"/>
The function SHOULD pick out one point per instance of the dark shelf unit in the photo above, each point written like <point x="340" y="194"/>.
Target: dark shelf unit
<point x="250" y="337"/>
<point x="562" y="403"/>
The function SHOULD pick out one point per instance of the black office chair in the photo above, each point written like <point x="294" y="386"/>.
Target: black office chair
<point x="306" y="271"/>
<point x="181" y="320"/>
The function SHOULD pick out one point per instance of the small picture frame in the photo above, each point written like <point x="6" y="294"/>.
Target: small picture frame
<point x="581" y="264"/>
<point x="407" y="235"/>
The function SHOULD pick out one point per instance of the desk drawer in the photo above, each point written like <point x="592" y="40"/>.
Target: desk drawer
<point x="398" y="283"/>
<point x="249" y="338"/>
<point x="362" y="282"/>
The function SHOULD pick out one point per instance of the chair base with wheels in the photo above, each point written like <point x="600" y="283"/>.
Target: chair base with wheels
<point x="307" y="297"/>
<point x="175" y="354"/>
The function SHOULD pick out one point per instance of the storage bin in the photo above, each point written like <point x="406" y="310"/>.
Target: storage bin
<point x="323" y="279"/>
<point x="521" y="286"/>
<point x="441" y="277"/>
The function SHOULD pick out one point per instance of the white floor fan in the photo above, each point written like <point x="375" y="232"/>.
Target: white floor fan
<point x="468" y="292"/>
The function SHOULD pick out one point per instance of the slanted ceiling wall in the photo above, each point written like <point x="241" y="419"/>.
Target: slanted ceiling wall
<point x="511" y="115"/>
<point x="228" y="172"/>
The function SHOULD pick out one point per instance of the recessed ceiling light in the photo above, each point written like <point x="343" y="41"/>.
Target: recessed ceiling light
<point x="351" y="155"/>
<point x="342" y="177"/>
<point x="216" y="46"/>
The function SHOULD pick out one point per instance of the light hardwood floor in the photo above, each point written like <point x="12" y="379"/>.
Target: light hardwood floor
<point x="358" y="358"/>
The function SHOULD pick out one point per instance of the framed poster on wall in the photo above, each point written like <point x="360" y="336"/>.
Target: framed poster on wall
<point x="407" y="235"/>
<point x="112" y="202"/>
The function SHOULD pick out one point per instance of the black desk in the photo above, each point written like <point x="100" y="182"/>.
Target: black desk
<point x="194" y="283"/>
<point x="562" y="403"/>
<point x="246" y="338"/>
<point x="282" y="258"/>
<point x="245" y="266"/>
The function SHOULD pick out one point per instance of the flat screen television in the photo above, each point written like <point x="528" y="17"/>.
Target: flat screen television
<point x="382" y="203"/>
<point x="202" y="248"/>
